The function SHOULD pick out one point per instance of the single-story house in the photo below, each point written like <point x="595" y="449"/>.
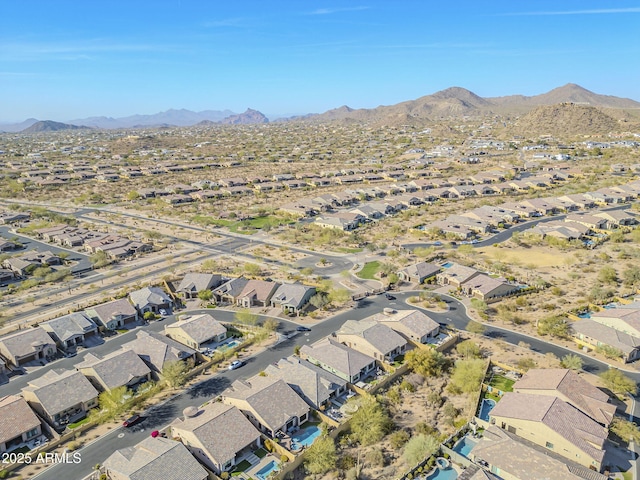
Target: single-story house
<point x="150" y="299"/>
<point x="117" y="369"/>
<point x="414" y="325"/>
<point x="27" y="345"/>
<point x="255" y="399"/>
<point x="591" y="333"/>
<point x="372" y="338"/>
<point x="70" y="330"/>
<point x="113" y="315"/>
<point x="194" y="283"/>
<point x="256" y="293"/>
<point x="455" y="275"/>
<point x="487" y="288"/>
<point x="292" y="297"/>
<point x="157" y="350"/>
<point x="154" y="458"/>
<point x="229" y="291"/>
<point x="334" y="357"/>
<point x="61" y="398"/>
<point x="419" y="272"/>
<point x="18" y="423"/>
<point x="216" y="434"/>
<point x="196" y="331"/>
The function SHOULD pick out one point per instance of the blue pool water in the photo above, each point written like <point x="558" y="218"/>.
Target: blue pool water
<point x="485" y="408"/>
<point x="265" y="471"/>
<point x="446" y="474"/>
<point x="464" y="446"/>
<point x="228" y="345"/>
<point x="447" y="265"/>
<point x="585" y="315"/>
<point x="305" y="437"/>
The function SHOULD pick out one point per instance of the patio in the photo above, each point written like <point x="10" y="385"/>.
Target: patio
<point x="252" y="462"/>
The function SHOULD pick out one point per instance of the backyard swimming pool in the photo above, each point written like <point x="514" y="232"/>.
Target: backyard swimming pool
<point x="447" y="265"/>
<point x="440" y="474"/>
<point x="485" y="408"/>
<point x="265" y="471"/>
<point x="464" y="446"/>
<point x="232" y="344"/>
<point x="305" y="437"/>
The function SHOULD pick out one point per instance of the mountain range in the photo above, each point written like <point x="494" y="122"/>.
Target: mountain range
<point x="453" y="102"/>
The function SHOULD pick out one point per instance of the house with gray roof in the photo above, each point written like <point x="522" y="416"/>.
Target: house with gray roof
<point x="70" y="330"/>
<point x="292" y="297"/>
<point x="157" y="350"/>
<point x="229" y="290"/>
<point x="201" y="431"/>
<point x="334" y="357"/>
<point x="414" y="325"/>
<point x="61" y="398"/>
<point x="27" y="345"/>
<point x="570" y="387"/>
<point x="150" y="299"/>
<point x="196" y="331"/>
<point x="455" y="275"/>
<point x="513" y="457"/>
<point x="117" y="369"/>
<point x="113" y="315"/>
<point x="590" y="333"/>
<point x="315" y="385"/>
<point x="554" y="424"/>
<point x="270" y="404"/>
<point x="18" y="423"/>
<point x="194" y="283"/>
<point x="487" y="288"/>
<point x="372" y="338"/>
<point x="419" y="272"/>
<point x="154" y="458"/>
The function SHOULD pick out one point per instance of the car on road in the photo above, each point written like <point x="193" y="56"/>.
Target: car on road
<point x="131" y="421"/>
<point x="303" y="329"/>
<point x="389" y="296"/>
<point x="236" y="364"/>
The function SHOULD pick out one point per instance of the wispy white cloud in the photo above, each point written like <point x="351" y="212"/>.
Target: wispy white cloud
<point x="330" y="11"/>
<point x="595" y="11"/>
<point x="83" y="50"/>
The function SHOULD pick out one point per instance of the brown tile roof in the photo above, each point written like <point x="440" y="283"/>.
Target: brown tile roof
<point x="16" y="417"/>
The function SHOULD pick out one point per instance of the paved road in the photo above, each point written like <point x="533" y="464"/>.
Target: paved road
<point x="505" y="235"/>
<point x="159" y="416"/>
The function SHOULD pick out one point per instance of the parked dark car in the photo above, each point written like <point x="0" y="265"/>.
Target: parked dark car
<point x="303" y="329"/>
<point x="389" y="296"/>
<point x="131" y="421"/>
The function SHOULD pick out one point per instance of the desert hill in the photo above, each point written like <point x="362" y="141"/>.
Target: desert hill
<point x="50" y="126"/>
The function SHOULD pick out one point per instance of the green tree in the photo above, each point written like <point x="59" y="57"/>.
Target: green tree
<point x="339" y="296"/>
<point x="175" y="373"/>
<point x="321" y="456"/>
<point x="476" y="328"/>
<point x="610" y="352"/>
<point x="554" y="326"/>
<point x="371" y="422"/>
<point x="428" y="362"/>
<point x="479" y="305"/>
<point x="571" y="361"/>
<point x="205" y="295"/>
<point x="419" y="448"/>
<point x="631" y="275"/>
<point x="246" y="317"/>
<point x="99" y="259"/>
<point x="307" y="271"/>
<point x="618" y="382"/>
<point x="319" y="300"/>
<point x="271" y="324"/>
<point x="252" y="269"/>
<point x="625" y="429"/>
<point x="468" y="349"/>
<point x="399" y="438"/>
<point x="608" y="274"/>
<point x="468" y="374"/>
<point x="112" y="401"/>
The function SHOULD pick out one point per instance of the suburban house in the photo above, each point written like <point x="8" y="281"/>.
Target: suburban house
<point x="487" y="288"/>
<point x="157" y="350"/>
<point x="70" y="330"/>
<point x="414" y="325"/>
<point x="560" y="229"/>
<point x="334" y="357"/>
<point x="570" y="387"/>
<point x="113" y="315"/>
<point x="194" y="283"/>
<point x="616" y="218"/>
<point x="588" y="220"/>
<point x="626" y="320"/>
<point x="507" y="455"/>
<point x="346" y="221"/>
<point x="315" y="385"/>
<point x="27" y="345"/>
<point x="256" y="293"/>
<point x="117" y="369"/>
<point x="455" y="275"/>
<point x="372" y="338"/>
<point x="270" y="404"/>
<point x="292" y="297"/>
<point x="216" y="434"/>
<point x="61" y="398"/>
<point x="150" y="299"/>
<point x="229" y="291"/>
<point x="154" y="458"/>
<point x="554" y="424"/>
<point x="196" y="331"/>
<point x="419" y="272"/>
<point x="18" y="423"/>
<point x="593" y="334"/>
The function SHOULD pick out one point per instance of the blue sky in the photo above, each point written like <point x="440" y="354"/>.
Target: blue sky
<point x="66" y="59"/>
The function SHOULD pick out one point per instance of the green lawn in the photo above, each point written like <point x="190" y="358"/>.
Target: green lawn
<point x="260" y="453"/>
<point x="369" y="270"/>
<point x="78" y="423"/>
<point x="502" y="383"/>
<point x="242" y="466"/>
